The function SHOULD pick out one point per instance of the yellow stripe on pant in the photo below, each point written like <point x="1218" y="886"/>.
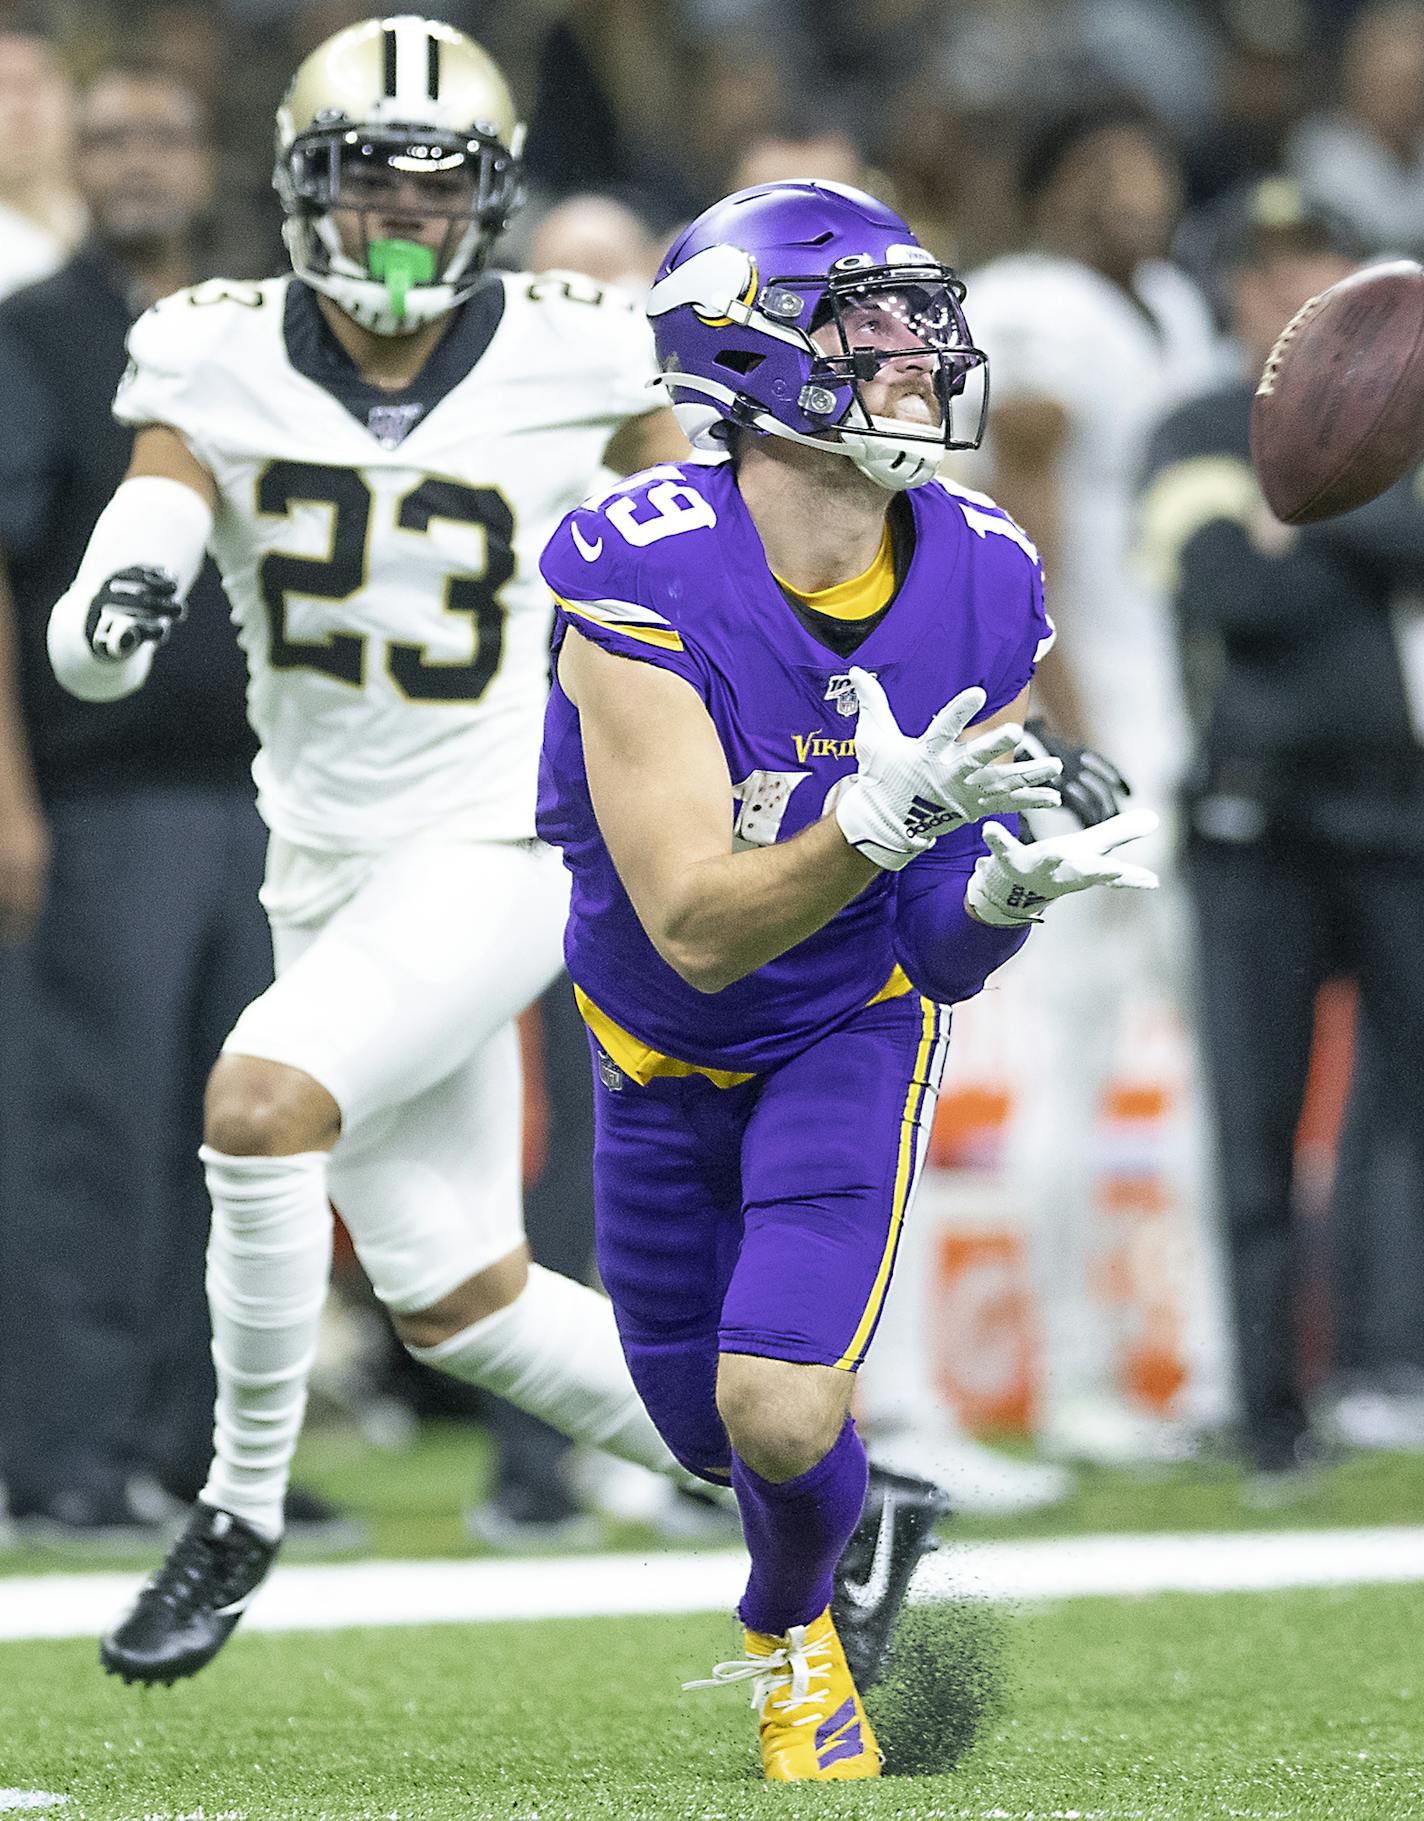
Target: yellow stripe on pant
<point x="904" y="1182"/>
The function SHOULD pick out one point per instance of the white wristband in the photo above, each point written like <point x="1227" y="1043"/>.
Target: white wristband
<point x="151" y="521"/>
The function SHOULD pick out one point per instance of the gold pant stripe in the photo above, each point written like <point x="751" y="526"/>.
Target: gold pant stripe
<point x="920" y="1086"/>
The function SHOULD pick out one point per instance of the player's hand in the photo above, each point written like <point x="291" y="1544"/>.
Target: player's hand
<point x="908" y="792"/>
<point x="1092" y="787"/>
<point x="1014" y="881"/>
<point x="137" y="606"/>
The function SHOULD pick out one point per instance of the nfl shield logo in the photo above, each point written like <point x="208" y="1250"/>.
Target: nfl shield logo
<point x="609" y="1073"/>
<point x="841" y="691"/>
<point x="392" y="424"/>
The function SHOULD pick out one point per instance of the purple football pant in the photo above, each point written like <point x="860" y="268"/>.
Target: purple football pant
<point x="763" y="1218"/>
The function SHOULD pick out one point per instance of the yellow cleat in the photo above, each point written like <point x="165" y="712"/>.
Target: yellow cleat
<point x="813" y="1727"/>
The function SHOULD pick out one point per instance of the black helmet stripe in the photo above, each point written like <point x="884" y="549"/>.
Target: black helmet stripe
<point x="401" y="58"/>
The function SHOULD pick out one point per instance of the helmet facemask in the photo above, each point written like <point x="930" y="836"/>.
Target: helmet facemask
<point x="904" y="325"/>
<point x="467" y="184"/>
<point x="792" y="357"/>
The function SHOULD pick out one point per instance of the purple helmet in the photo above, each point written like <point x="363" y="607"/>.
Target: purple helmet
<point x="742" y="291"/>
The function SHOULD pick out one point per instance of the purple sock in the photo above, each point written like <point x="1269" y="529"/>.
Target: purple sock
<point x="796" y="1532"/>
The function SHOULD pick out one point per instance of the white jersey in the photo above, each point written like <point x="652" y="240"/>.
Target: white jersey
<point x="1054" y="328"/>
<point x="380" y="550"/>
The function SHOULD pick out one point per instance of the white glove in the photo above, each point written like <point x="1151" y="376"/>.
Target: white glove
<point x="907" y="793"/>
<point x="1013" y="881"/>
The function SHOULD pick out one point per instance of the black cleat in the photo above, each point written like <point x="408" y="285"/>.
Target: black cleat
<point x="896" y="1529"/>
<point x="188" y="1610"/>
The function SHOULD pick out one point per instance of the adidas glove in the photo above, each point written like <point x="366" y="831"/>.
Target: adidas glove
<point x="1092" y="787"/>
<point x="908" y="792"/>
<point x="136" y="606"/>
<point x="1014" y="881"/>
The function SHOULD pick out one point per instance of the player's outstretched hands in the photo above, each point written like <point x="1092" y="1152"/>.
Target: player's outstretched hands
<point x="137" y="606"/>
<point x="908" y="792"/>
<point x="1013" y="882"/>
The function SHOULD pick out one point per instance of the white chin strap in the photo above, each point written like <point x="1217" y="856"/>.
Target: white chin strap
<point x="894" y="462"/>
<point x="366" y="300"/>
<point x="369" y="303"/>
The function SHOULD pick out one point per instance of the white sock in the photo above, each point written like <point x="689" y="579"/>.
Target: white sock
<point x="555" y="1352"/>
<point x="269" y="1263"/>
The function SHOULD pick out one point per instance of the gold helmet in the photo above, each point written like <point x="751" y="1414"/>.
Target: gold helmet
<point x="377" y="108"/>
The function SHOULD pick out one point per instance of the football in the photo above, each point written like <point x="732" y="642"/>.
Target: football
<point x="1338" y="414"/>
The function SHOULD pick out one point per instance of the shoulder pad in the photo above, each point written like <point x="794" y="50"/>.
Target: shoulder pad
<point x="986" y="518"/>
<point x="190" y="321"/>
<point x="172" y="342"/>
<point x="595" y="336"/>
<point x="567" y="292"/>
<point x="617" y="551"/>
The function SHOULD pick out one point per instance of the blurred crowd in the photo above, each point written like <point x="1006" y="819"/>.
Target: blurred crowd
<point x="1140" y="193"/>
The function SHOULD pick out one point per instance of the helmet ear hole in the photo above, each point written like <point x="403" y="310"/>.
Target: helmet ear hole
<point x="739" y="360"/>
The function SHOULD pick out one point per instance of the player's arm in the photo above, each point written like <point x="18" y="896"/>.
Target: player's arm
<point x="143" y="556"/>
<point x="24" y="832"/>
<point x="663" y="798"/>
<point x="646" y="442"/>
<point x="1030" y="438"/>
<point x="31" y="470"/>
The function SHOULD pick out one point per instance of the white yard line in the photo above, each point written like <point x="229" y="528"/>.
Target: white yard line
<point x="333" y="1597"/>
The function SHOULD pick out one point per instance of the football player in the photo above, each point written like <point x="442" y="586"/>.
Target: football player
<point x="374" y="447"/>
<point x="777" y="892"/>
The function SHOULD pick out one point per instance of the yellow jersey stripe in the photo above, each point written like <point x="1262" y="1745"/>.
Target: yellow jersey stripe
<point x="639" y="1060"/>
<point x="642" y="1063"/>
<point x="904" y="1182"/>
<point x="665" y="637"/>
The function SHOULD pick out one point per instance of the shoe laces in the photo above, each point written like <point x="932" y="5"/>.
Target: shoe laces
<point x="201" y="1567"/>
<point x="789" y="1666"/>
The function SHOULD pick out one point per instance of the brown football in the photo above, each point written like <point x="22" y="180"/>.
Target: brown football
<point x="1338" y="415"/>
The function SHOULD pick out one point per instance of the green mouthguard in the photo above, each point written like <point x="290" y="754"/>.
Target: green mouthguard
<point x="399" y="264"/>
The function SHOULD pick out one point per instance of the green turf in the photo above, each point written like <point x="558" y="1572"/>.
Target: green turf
<point x="413" y="1501"/>
<point x="1264" y="1705"/>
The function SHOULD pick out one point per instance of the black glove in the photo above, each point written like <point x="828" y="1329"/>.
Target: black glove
<point x="1092" y="787"/>
<point x="137" y="606"/>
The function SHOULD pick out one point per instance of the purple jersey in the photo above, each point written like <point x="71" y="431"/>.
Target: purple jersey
<point x="668" y="569"/>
